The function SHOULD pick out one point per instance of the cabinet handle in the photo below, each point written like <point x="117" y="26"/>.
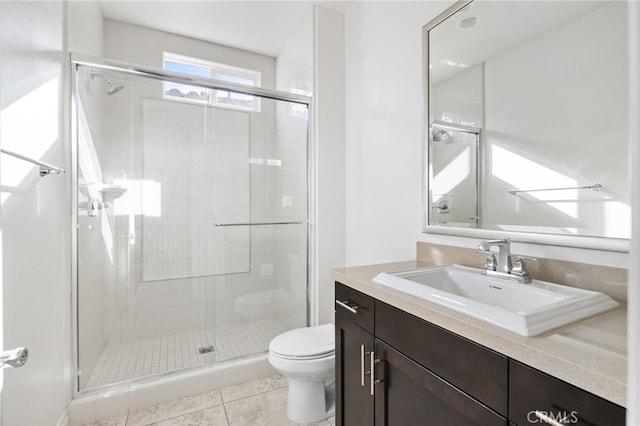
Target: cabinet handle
<point x="543" y="417"/>
<point x="362" y="372"/>
<point x="352" y="309"/>
<point x="374" y="382"/>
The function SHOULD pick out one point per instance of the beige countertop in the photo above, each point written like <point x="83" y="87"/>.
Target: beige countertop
<point x="590" y="354"/>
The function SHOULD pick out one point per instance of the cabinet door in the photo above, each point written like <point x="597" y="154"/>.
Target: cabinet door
<point x="354" y="403"/>
<point x="412" y="395"/>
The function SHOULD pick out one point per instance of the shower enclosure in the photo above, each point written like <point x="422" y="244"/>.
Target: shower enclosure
<point x="454" y="175"/>
<point x="191" y="220"/>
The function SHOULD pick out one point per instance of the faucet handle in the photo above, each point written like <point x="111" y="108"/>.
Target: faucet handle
<point x="490" y="264"/>
<point x="519" y="267"/>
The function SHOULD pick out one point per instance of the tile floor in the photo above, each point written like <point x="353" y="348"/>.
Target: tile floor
<point x="261" y="402"/>
<point x="136" y="359"/>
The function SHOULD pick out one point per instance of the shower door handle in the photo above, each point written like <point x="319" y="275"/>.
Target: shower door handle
<point x="259" y="223"/>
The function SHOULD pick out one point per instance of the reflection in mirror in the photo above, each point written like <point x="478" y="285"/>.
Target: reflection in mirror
<point x="537" y="93"/>
<point x="454" y="183"/>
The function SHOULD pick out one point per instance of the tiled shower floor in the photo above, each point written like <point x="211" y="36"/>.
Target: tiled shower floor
<point x="130" y="360"/>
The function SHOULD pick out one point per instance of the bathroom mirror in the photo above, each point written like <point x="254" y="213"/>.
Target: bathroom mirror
<point x="527" y="122"/>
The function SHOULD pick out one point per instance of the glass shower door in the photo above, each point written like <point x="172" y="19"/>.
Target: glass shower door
<point x="251" y="307"/>
<point x="191" y="227"/>
<point x="453" y="168"/>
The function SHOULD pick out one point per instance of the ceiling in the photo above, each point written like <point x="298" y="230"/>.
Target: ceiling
<point x="259" y="26"/>
<point x="452" y="49"/>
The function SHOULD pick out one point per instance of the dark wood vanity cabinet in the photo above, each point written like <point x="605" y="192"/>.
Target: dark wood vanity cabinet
<point x="404" y="392"/>
<point x="426" y="375"/>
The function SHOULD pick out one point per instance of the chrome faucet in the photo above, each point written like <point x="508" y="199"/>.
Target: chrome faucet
<point x="502" y="266"/>
<point x="503" y="263"/>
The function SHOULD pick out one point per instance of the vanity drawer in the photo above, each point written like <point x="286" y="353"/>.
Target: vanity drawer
<point x="531" y="390"/>
<point x="474" y="369"/>
<point x="359" y="307"/>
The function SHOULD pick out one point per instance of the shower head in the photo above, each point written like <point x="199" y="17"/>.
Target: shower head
<point x="440" y="135"/>
<point x="113" y="88"/>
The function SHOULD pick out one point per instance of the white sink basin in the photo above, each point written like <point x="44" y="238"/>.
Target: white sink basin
<point x="525" y="309"/>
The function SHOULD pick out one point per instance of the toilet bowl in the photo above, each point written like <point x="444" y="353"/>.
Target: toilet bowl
<point x="306" y="356"/>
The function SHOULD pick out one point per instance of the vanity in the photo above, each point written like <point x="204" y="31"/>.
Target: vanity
<point x="401" y="360"/>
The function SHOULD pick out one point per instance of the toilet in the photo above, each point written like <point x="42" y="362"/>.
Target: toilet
<point x="306" y="356"/>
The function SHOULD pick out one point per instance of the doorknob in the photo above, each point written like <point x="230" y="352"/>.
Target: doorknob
<point x="14" y="358"/>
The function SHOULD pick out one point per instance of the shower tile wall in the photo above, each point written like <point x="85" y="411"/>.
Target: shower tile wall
<point x="200" y="160"/>
<point x="459" y="99"/>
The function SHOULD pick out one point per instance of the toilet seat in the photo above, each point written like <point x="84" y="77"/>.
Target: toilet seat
<point x="305" y="343"/>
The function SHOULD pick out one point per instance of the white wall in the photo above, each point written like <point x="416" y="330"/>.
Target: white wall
<point x="384" y="128"/>
<point x="329" y="104"/>
<point x="36" y="292"/>
<point x="85" y="27"/>
<point x="294" y="63"/>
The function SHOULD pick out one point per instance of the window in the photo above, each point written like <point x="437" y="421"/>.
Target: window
<point x="206" y="69"/>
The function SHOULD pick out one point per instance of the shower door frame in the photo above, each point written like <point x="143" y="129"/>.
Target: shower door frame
<point x="81" y="60"/>
<point x="478" y="163"/>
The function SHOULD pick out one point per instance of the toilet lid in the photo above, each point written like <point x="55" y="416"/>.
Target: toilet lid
<point x="308" y="342"/>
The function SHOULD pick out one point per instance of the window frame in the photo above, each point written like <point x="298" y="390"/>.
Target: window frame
<point x="214" y="68"/>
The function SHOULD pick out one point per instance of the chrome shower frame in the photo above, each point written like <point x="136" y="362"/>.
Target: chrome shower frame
<point x="96" y="63"/>
<point x="160" y="74"/>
